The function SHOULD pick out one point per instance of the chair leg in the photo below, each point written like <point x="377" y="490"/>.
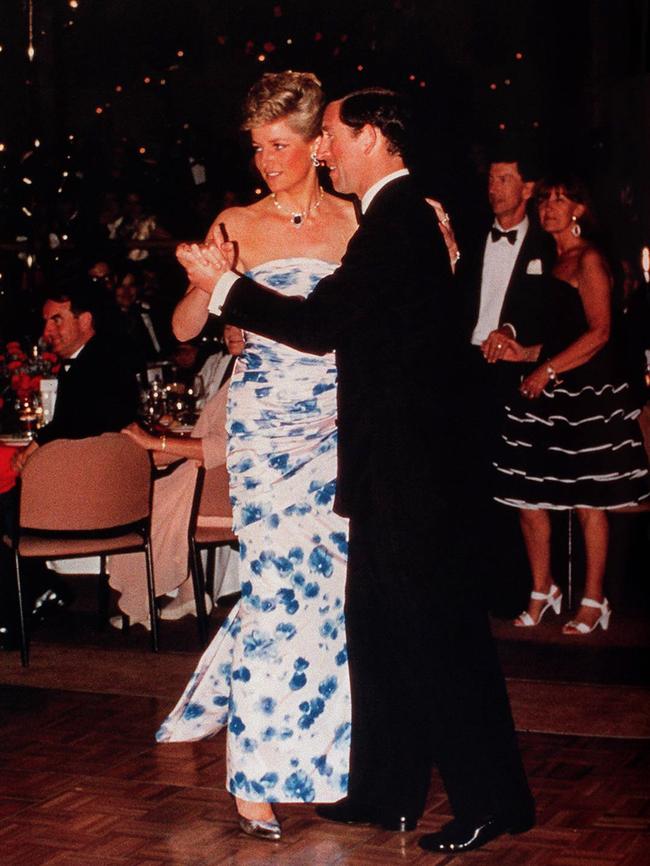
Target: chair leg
<point x="153" y="613"/>
<point x="103" y="593"/>
<point x="196" y="570"/>
<point x="24" y="640"/>
<point x="210" y="571"/>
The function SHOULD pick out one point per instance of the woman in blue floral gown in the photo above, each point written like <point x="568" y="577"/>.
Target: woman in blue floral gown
<point x="276" y="673"/>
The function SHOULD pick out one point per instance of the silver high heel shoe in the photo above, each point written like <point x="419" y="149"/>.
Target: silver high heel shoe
<point x="269" y="830"/>
<point x="574" y="626"/>
<point x="553" y="598"/>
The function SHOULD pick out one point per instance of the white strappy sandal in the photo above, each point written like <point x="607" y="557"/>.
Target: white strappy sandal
<point x="553" y="599"/>
<point x="574" y="626"/>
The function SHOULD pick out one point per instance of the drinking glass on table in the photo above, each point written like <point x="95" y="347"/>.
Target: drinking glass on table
<point x="30" y="413"/>
<point x="153" y="404"/>
<point x="198" y="392"/>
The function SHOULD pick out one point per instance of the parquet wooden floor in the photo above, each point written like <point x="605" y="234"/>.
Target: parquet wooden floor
<point x="83" y="784"/>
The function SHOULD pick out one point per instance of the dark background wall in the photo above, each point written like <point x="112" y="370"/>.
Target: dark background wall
<point x="152" y="85"/>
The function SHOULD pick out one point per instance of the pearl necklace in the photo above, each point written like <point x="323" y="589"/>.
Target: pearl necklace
<point x="298" y="217"/>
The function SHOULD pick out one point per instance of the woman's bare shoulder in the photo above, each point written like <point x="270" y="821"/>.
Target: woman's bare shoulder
<point x="592" y="270"/>
<point x="592" y="261"/>
<point x="590" y="256"/>
<point x="234" y="220"/>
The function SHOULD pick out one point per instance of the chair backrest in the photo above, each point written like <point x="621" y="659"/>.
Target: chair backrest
<point x="81" y="485"/>
<point x="215" y="497"/>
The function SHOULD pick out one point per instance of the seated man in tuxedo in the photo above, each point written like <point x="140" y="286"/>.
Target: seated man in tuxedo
<point x="97" y="393"/>
<point x="97" y="390"/>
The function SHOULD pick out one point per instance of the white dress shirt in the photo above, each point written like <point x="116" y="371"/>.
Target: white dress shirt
<point x="374" y="189"/>
<point x="498" y="263"/>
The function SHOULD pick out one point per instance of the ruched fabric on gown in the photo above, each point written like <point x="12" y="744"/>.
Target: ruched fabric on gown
<point x="577" y="445"/>
<point x="276" y="673"/>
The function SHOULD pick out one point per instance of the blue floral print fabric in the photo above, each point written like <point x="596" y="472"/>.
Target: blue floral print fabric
<point x="276" y="675"/>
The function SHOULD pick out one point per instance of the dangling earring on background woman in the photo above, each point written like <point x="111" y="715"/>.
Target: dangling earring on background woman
<point x="576" y="231"/>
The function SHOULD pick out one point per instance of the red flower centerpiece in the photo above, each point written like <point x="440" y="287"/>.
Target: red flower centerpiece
<point x="21" y="372"/>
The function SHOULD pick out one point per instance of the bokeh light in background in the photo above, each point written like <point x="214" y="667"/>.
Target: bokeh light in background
<point x="161" y="83"/>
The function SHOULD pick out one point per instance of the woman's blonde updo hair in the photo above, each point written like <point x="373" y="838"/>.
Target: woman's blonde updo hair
<point x="294" y="96"/>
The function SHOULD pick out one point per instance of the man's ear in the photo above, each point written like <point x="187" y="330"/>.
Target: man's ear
<point x="528" y="190"/>
<point x="368" y="137"/>
<point x="86" y="321"/>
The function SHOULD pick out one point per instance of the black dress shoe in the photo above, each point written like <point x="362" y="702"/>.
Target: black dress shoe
<point x="349" y="812"/>
<point x="460" y="836"/>
<point x="346" y="812"/>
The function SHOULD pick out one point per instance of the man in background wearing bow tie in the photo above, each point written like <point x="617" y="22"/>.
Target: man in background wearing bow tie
<point x="97" y="392"/>
<point x="515" y="248"/>
<point x="502" y="281"/>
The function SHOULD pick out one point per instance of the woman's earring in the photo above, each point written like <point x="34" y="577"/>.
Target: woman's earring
<point x="576" y="231"/>
<point x="315" y="160"/>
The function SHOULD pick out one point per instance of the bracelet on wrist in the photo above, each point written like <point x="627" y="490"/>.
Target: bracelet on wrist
<point x="552" y="375"/>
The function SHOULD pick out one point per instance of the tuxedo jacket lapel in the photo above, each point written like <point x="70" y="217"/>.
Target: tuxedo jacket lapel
<point x="521" y="263"/>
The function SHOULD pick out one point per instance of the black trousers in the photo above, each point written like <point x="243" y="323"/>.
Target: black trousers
<point x="502" y="564"/>
<point x="426" y="683"/>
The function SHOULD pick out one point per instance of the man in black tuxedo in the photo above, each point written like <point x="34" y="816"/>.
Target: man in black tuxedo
<point x="504" y="288"/>
<point x="97" y="390"/>
<point x="97" y="393"/>
<point x="425" y="680"/>
<point x="501" y="274"/>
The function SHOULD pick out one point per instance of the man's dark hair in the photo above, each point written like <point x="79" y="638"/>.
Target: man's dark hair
<point x="522" y="155"/>
<point x="82" y="294"/>
<point x="385" y="109"/>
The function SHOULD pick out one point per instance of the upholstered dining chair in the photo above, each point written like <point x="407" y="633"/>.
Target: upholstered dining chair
<point x="210" y="526"/>
<point x="85" y="497"/>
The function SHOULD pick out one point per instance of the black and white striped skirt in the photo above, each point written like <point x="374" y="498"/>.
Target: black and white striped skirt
<point x="577" y="445"/>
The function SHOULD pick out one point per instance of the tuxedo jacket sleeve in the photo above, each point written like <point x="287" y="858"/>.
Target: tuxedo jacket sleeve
<point x="98" y="394"/>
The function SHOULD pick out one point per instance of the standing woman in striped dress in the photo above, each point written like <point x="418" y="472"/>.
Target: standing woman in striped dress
<point x="571" y="437"/>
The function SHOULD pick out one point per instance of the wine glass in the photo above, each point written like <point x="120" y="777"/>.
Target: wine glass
<point x="198" y="394"/>
<point x="153" y="404"/>
<point x="30" y="413"/>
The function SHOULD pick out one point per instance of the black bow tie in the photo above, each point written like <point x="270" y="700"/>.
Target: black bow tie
<point x="497" y="234"/>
